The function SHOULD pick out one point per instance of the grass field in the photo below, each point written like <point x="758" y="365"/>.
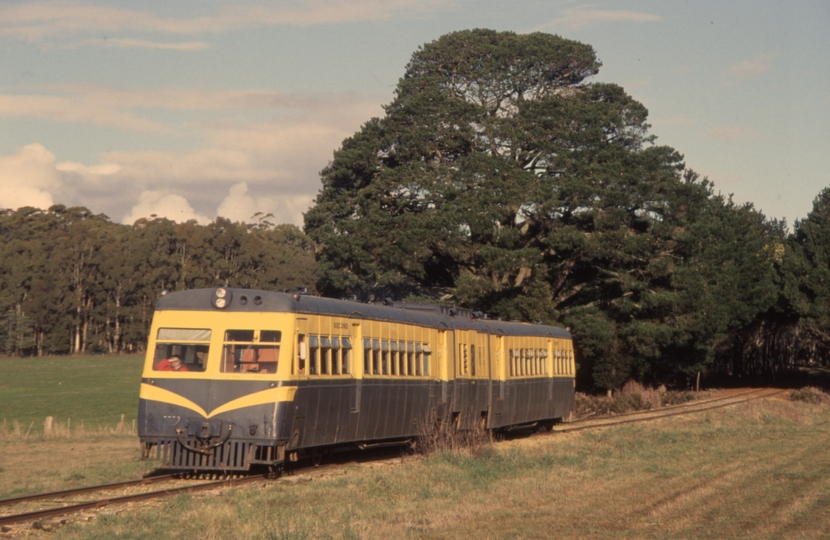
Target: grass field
<point x="758" y="470"/>
<point x="95" y="390"/>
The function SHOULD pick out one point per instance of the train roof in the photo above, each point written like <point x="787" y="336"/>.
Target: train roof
<point x="430" y="315"/>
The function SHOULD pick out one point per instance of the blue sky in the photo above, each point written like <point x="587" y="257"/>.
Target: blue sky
<point x="194" y="109"/>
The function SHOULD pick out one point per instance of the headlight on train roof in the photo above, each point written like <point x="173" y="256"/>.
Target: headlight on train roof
<point x="222" y="298"/>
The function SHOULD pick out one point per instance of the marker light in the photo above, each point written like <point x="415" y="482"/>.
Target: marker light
<point x="222" y="298"/>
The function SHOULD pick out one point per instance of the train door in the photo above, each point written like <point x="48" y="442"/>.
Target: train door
<point x="356" y="367"/>
<point x="446" y="362"/>
<point x="300" y="369"/>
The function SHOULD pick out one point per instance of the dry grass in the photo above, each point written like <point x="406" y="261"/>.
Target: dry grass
<point x="50" y="428"/>
<point x="39" y="465"/>
<point x="810" y="394"/>
<point x="633" y="396"/>
<point x="758" y="470"/>
<point x="443" y="436"/>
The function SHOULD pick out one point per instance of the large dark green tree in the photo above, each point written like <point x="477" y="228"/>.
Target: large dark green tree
<point x="805" y="301"/>
<point x="500" y="179"/>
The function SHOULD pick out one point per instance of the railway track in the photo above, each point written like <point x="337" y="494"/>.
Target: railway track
<point x="70" y="505"/>
<point x="147" y="491"/>
<point x="667" y="412"/>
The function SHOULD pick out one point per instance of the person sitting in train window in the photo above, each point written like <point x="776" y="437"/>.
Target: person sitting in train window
<point x="201" y="357"/>
<point x="174" y="363"/>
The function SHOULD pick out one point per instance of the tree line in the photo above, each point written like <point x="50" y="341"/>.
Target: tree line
<point x="499" y="179"/>
<point x="74" y="282"/>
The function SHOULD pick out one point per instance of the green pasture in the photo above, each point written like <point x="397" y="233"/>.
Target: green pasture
<point x="95" y="390"/>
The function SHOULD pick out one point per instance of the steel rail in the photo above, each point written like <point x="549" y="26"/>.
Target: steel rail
<point x="62" y="511"/>
<point x="87" y="489"/>
<point x="668" y="407"/>
<point x="658" y="416"/>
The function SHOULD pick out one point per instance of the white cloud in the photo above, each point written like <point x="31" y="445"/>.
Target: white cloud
<point x="122" y="107"/>
<point x="35" y="21"/>
<point x="170" y="206"/>
<point x="239" y="206"/>
<point x="105" y="169"/>
<point x="126" y="43"/>
<point x="82" y="109"/>
<point x="586" y="15"/>
<point x="28" y="177"/>
<point x="272" y="164"/>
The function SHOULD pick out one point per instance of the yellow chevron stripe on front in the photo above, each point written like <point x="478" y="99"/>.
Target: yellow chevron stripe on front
<point x="154" y="393"/>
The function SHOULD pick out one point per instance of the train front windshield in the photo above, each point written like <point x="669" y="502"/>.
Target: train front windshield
<point x="243" y="350"/>
<point x="181" y="349"/>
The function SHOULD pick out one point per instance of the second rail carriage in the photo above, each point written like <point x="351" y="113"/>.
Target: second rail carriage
<point x="237" y="378"/>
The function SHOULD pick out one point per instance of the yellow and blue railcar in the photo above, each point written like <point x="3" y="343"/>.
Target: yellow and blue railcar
<point x="237" y="378"/>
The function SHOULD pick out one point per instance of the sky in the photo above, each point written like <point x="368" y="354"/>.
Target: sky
<point x="198" y="109"/>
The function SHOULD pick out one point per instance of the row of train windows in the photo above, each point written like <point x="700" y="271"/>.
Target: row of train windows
<point x="530" y="362"/>
<point x="327" y="355"/>
<point x="396" y="358"/>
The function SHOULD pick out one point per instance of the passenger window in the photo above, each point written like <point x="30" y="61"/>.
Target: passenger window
<point x="427" y="353"/>
<point x="180" y="357"/>
<point x="375" y="356"/>
<point x="335" y="356"/>
<point x="302" y="354"/>
<point x="384" y="351"/>
<point x="181" y="349"/>
<point x="367" y="356"/>
<point x="313" y="355"/>
<point x="402" y="359"/>
<point x="246" y="352"/>
<point x="325" y="355"/>
<point x="410" y="359"/>
<point x="393" y="358"/>
<point x="418" y="362"/>
<point x="346" y="356"/>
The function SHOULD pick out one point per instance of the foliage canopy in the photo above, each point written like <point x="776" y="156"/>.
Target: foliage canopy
<point x="500" y="180"/>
